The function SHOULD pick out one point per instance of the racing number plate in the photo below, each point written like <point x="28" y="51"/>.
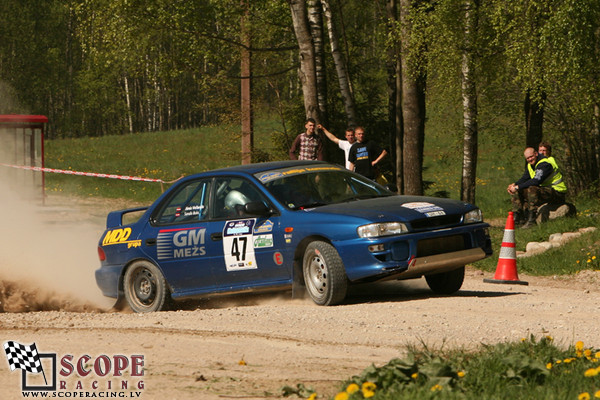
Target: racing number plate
<point x="238" y="245"/>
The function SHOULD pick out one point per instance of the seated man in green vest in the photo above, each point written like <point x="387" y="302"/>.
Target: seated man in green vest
<point x="542" y="182"/>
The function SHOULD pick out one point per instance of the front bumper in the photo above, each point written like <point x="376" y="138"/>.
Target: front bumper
<point x="415" y="254"/>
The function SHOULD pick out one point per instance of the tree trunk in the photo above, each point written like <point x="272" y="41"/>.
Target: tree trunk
<point x="413" y="111"/>
<point x="246" y="87"/>
<point x="394" y="81"/>
<point x="315" y="22"/>
<point x="340" y="67"/>
<point x="469" y="96"/>
<point x="128" y="101"/>
<point x="534" y="119"/>
<point x="306" y="73"/>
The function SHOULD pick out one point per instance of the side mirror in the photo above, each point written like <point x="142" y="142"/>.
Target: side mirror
<point x="257" y="208"/>
<point x="392" y="188"/>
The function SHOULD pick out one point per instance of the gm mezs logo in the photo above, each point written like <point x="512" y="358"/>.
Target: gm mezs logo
<point x="180" y="243"/>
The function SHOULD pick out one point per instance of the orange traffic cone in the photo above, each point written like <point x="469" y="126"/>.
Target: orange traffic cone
<point x="506" y="271"/>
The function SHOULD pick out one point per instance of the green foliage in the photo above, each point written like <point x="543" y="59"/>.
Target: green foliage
<point x="158" y="155"/>
<point x="528" y="369"/>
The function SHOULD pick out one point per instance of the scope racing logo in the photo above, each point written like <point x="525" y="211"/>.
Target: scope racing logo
<point x="103" y="376"/>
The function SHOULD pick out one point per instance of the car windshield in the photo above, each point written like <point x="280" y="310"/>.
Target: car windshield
<point x="300" y="188"/>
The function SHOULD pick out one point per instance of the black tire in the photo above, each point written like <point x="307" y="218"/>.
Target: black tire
<point x="446" y="282"/>
<point x="145" y="288"/>
<point x="324" y="274"/>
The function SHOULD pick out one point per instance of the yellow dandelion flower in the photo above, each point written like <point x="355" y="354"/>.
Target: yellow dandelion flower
<point x="589" y="260"/>
<point x="436" y="388"/>
<point x="549" y="366"/>
<point x="568" y="360"/>
<point x="368" y="393"/>
<point x="583" y="396"/>
<point x="558" y="361"/>
<point x="597" y="394"/>
<point x="597" y="355"/>
<point x="587" y="353"/>
<point x="590" y="373"/>
<point x="312" y="397"/>
<point x="549" y="338"/>
<point x="352" y="388"/>
<point x="369" y="386"/>
<point x="242" y="362"/>
<point x="461" y="374"/>
<point x="341" y="396"/>
<point x="579" y="345"/>
<point x="415" y="375"/>
<point x="593" y="257"/>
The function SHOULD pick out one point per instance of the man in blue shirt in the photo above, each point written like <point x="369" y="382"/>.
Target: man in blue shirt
<point x="365" y="155"/>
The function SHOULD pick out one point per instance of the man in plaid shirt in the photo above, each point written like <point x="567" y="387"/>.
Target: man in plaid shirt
<point x="307" y="145"/>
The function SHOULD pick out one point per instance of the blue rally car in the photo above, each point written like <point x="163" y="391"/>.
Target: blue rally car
<point x="282" y="225"/>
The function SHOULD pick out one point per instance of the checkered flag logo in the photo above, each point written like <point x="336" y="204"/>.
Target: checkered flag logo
<point x="23" y="357"/>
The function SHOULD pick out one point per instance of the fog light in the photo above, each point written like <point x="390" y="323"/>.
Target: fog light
<point x="375" y="248"/>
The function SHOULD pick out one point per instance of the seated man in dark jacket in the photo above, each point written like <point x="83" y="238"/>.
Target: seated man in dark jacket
<point x="542" y="182"/>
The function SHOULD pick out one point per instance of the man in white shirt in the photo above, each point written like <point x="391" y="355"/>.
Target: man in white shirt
<point x="342" y="144"/>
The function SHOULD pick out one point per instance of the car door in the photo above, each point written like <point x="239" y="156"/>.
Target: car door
<point x="250" y="244"/>
<point x="177" y="238"/>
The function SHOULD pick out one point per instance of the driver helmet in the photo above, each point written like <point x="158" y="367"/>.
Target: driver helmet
<point x="235" y="198"/>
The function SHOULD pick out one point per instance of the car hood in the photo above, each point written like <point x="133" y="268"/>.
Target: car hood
<point x="397" y="208"/>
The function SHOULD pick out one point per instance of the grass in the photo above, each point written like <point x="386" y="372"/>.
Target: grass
<point x="528" y="369"/>
<point x="158" y="155"/>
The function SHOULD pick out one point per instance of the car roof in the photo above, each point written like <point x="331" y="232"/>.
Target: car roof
<point x="261" y="167"/>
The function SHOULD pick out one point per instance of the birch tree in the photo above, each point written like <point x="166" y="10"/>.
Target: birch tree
<point x="306" y="72"/>
<point x="469" y="98"/>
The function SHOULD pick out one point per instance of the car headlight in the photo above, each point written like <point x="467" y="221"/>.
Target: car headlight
<point x="381" y="229"/>
<point x="473" y="216"/>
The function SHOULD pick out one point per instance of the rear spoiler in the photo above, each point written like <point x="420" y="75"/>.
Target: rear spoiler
<point x="115" y="218"/>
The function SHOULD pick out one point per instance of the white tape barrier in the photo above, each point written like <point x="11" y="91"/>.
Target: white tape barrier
<point x="78" y="173"/>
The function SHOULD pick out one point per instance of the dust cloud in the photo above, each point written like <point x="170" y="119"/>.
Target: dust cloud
<point x="48" y="254"/>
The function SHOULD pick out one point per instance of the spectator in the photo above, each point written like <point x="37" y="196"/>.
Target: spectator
<point x="307" y="145"/>
<point x="541" y="183"/>
<point x="365" y="155"/>
<point x="342" y="144"/>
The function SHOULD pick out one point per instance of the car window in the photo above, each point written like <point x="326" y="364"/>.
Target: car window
<point x="189" y="203"/>
<point x="232" y="194"/>
<point x="303" y="190"/>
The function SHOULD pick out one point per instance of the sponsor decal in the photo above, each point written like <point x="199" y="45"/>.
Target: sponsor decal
<point x="278" y="258"/>
<point x="272" y="175"/>
<point x="429" y="209"/>
<point x="269" y="176"/>
<point x="238" y="245"/>
<point x="180" y="243"/>
<point x="120" y="236"/>
<point x="263" y="241"/>
<point x="69" y="375"/>
<point x="265" y="227"/>
<point x="238" y="227"/>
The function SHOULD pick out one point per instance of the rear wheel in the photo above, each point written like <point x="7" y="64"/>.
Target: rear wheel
<point x="324" y="274"/>
<point x="446" y="282"/>
<point x="145" y="288"/>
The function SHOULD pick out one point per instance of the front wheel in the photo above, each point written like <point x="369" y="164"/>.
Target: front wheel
<point x="145" y="288"/>
<point x="446" y="282"/>
<point x="324" y="274"/>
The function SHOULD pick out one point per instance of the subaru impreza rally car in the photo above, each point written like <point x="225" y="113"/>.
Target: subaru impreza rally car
<point x="282" y="225"/>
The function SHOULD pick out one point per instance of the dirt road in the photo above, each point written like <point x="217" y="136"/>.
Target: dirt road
<point x="249" y="347"/>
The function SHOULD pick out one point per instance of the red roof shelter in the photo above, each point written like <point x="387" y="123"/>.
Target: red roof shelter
<point x="22" y="146"/>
